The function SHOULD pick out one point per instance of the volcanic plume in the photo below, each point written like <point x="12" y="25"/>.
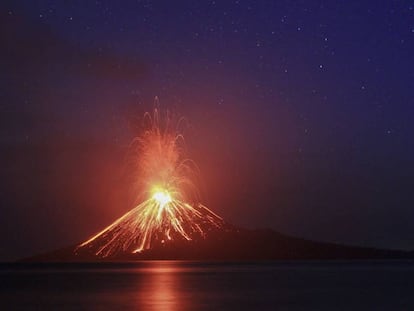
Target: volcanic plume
<point x="167" y="205"/>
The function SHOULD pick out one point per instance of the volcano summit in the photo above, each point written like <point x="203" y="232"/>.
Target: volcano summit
<point x="156" y="221"/>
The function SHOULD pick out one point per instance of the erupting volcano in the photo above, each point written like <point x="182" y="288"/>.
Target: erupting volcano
<point x="168" y="220"/>
<point x="167" y="205"/>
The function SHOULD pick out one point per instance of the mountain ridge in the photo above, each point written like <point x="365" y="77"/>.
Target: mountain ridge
<point x="232" y="244"/>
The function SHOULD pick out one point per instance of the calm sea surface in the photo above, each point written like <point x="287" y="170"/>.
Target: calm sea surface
<point x="178" y="285"/>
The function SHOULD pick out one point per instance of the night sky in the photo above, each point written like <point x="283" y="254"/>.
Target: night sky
<point x="302" y="114"/>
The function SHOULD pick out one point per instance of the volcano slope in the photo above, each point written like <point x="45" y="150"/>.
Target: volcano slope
<point x="229" y="243"/>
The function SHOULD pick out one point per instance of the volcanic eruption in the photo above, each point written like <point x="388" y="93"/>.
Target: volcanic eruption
<point x="167" y="204"/>
<point x="168" y="221"/>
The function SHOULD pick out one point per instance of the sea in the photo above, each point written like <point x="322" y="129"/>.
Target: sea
<point x="189" y="285"/>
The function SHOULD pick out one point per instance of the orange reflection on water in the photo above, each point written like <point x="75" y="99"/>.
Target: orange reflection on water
<point x="160" y="289"/>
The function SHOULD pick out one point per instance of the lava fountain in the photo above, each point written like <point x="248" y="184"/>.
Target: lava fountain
<point x="167" y="203"/>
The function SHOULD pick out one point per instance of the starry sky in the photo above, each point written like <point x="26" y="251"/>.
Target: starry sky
<point x="302" y="113"/>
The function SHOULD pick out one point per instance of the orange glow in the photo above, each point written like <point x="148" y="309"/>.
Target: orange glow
<point x="161" y="288"/>
<point x="167" y="202"/>
<point x="162" y="197"/>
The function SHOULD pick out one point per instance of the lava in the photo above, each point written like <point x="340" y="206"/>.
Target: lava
<point x="167" y="205"/>
<point x="162" y="197"/>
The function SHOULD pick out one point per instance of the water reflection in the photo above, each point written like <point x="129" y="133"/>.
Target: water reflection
<point x="160" y="287"/>
<point x="164" y="285"/>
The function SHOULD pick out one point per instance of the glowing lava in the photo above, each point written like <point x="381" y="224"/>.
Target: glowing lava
<point x="167" y="204"/>
<point x="162" y="197"/>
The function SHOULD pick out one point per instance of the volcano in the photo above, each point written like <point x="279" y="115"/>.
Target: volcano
<point x="168" y="221"/>
<point x="150" y="225"/>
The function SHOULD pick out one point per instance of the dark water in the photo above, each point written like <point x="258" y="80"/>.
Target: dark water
<point x="174" y="285"/>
